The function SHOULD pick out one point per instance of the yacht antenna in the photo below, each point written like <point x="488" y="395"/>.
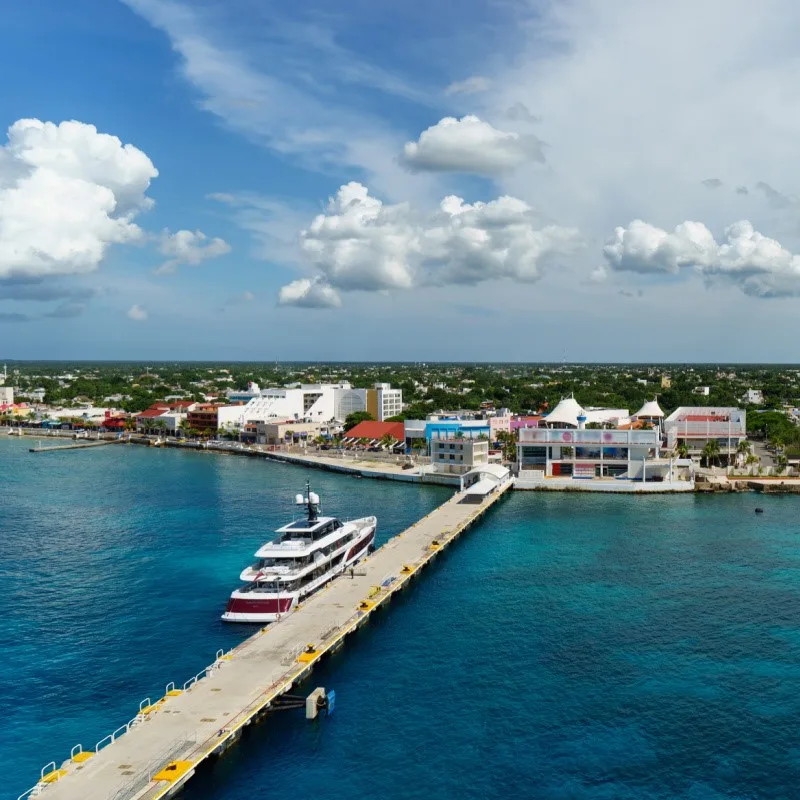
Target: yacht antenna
<point x="313" y="503"/>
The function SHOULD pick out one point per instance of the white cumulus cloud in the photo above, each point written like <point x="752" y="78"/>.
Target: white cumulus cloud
<point x="363" y="244"/>
<point x="67" y="193"/>
<point x="472" y="145"/>
<point x="189" y="247"/>
<point x="308" y="294"/>
<point x="137" y="313"/>
<point x="760" y="266"/>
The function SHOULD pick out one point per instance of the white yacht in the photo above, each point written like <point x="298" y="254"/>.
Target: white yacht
<point x="302" y="558"/>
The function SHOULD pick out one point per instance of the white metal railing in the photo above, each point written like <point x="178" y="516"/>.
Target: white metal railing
<point x="106" y="740"/>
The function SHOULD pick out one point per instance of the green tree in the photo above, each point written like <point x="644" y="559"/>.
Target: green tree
<point x="508" y="444"/>
<point x="351" y="420"/>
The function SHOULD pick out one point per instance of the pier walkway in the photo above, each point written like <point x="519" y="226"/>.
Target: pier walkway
<point x="158" y="751"/>
<point x="79" y="445"/>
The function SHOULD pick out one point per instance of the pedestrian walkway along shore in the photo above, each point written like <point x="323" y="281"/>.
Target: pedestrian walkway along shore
<point x="157" y="752"/>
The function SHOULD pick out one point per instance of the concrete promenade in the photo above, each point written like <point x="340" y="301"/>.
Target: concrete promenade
<point x="158" y="751"/>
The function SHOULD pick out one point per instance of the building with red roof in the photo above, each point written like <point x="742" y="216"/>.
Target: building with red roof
<point x="375" y="431"/>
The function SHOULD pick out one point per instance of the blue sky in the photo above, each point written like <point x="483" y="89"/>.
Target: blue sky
<point x="581" y="179"/>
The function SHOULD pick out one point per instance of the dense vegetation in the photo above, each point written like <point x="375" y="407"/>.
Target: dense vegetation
<point x="524" y="388"/>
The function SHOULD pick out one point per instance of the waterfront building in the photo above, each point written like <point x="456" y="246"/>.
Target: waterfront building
<point x="318" y="402"/>
<point x="203" y="419"/>
<point x="453" y="456"/>
<point x="456" y="428"/>
<point x="693" y="427"/>
<point x="6" y="395"/>
<point x="580" y="453"/>
<point x="274" y="433"/>
<point x="210" y="418"/>
<point x="384" y="402"/>
<point x="374" y="431"/>
<point x="414" y="430"/>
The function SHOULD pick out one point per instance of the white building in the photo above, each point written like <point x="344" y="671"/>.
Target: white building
<point x="754" y="397"/>
<point x="560" y="452"/>
<point x="703" y="391"/>
<point x="695" y="426"/>
<point x="458" y="456"/>
<point x="6" y="395"/>
<point x="384" y="402"/>
<point x="172" y="420"/>
<point x="316" y="402"/>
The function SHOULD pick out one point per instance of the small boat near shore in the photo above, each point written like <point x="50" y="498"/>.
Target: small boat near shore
<point x="304" y="556"/>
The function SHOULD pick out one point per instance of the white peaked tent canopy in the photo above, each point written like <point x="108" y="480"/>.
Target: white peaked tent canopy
<point x="565" y="413"/>
<point x="650" y="410"/>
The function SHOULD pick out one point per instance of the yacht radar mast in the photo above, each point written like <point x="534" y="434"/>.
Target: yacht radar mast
<point x="311" y="501"/>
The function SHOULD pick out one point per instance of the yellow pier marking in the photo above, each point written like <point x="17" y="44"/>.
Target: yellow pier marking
<point x="309" y="654"/>
<point x="84" y="755"/>
<point x="173" y="771"/>
<point x="52" y="777"/>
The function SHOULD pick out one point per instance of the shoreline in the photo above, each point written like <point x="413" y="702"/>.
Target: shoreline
<point x="393" y="471"/>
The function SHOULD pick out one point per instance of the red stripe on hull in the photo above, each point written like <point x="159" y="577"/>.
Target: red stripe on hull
<point x="271" y="605"/>
<point x="357" y="548"/>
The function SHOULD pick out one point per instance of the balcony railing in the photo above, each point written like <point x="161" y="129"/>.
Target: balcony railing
<point x="567" y="438"/>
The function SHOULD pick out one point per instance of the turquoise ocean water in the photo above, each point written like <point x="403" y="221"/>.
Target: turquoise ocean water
<point x="568" y="647"/>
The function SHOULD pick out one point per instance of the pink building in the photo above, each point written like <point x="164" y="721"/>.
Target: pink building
<point x="525" y="422"/>
<point x="499" y="423"/>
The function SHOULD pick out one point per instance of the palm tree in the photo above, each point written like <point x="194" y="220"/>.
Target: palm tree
<point x="711" y="451"/>
<point x="682" y="449"/>
<point x="508" y="443"/>
<point x="387" y="441"/>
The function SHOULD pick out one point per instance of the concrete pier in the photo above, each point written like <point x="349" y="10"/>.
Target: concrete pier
<point x="154" y="754"/>
<point x="79" y="445"/>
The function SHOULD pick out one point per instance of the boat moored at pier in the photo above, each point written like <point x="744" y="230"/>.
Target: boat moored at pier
<point x="304" y="556"/>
